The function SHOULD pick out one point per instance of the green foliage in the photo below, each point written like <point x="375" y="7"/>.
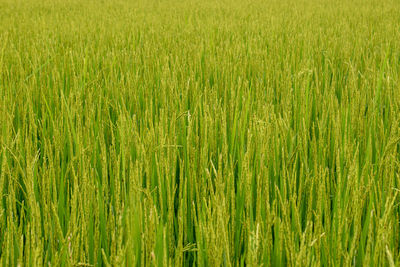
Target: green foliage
<point x="209" y="133"/>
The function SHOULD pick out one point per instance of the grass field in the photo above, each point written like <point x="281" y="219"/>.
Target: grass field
<point x="205" y="133"/>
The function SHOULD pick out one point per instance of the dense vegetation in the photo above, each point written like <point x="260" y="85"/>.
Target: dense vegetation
<point x="210" y="133"/>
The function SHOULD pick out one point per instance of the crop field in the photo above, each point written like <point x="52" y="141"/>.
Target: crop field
<point x="199" y="133"/>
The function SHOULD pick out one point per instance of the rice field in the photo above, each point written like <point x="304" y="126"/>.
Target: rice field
<point x="199" y="133"/>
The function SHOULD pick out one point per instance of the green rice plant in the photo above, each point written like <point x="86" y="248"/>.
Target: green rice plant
<point x="199" y="133"/>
